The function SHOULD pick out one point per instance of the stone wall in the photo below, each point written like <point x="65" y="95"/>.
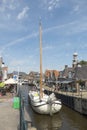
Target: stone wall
<point x="76" y="103"/>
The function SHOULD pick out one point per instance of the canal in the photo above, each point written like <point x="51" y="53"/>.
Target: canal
<point x="66" y="119"/>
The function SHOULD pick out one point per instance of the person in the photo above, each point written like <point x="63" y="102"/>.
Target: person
<point x="12" y="91"/>
<point x="54" y="88"/>
<point x="57" y="87"/>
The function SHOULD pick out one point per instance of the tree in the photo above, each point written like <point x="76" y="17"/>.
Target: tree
<point x="82" y="62"/>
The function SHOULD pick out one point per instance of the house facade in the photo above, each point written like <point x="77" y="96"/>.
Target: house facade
<point x="80" y="77"/>
<point x="74" y="78"/>
<point x="51" y="75"/>
<point x="34" y="76"/>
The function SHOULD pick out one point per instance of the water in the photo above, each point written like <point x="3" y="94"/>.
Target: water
<point x="48" y="122"/>
<point x="66" y="119"/>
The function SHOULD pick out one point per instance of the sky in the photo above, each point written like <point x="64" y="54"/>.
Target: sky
<point x="64" y="31"/>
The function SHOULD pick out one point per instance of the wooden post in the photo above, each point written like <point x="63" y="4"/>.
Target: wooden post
<point x="78" y="90"/>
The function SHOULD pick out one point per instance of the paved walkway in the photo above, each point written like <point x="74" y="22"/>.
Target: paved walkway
<point x="82" y="94"/>
<point x="9" y="117"/>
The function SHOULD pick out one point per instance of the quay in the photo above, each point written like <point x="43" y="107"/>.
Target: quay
<point x="9" y="117"/>
<point x="75" y="101"/>
<point x="14" y="118"/>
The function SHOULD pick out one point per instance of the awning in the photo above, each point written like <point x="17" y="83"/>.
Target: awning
<point x="2" y="84"/>
<point x="10" y="81"/>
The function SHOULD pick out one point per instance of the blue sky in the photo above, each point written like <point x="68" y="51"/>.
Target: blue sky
<point x="64" y="25"/>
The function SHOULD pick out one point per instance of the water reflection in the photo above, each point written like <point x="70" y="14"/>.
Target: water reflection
<point x="72" y="120"/>
<point x="66" y="119"/>
<point x="44" y="122"/>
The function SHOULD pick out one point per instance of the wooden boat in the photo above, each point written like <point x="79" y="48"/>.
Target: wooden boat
<point x="41" y="102"/>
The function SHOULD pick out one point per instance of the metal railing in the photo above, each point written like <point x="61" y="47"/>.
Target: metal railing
<point x="24" y="123"/>
<point x="22" y="120"/>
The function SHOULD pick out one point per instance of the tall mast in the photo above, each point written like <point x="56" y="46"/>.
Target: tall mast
<point x="40" y="31"/>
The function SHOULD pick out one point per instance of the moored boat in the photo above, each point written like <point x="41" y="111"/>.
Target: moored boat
<point x="41" y="102"/>
<point x="49" y="104"/>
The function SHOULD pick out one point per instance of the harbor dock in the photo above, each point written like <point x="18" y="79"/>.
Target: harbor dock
<point x="13" y="113"/>
<point x="75" y="101"/>
<point x="9" y="117"/>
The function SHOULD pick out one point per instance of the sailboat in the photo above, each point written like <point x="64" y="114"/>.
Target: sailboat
<point x="41" y="102"/>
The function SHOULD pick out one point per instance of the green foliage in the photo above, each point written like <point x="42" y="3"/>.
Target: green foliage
<point x="82" y="62"/>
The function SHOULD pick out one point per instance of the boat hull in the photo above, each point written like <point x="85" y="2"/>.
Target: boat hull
<point x="45" y="106"/>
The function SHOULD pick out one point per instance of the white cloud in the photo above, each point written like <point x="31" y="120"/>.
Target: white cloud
<point x="7" y="5"/>
<point x="50" y="4"/>
<point x="73" y="27"/>
<point x="8" y="10"/>
<point x="23" y="13"/>
<point x="17" y="41"/>
<point x="53" y="4"/>
<point x="60" y="26"/>
<point x="12" y="7"/>
<point x="79" y="6"/>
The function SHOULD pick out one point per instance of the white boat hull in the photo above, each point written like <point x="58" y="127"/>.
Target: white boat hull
<point x="46" y="105"/>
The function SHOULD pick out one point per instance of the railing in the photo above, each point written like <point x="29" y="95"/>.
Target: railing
<point x="25" y="121"/>
<point x="23" y="125"/>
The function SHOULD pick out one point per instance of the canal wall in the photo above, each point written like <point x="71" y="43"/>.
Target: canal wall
<point x="75" y="101"/>
<point x="78" y="104"/>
